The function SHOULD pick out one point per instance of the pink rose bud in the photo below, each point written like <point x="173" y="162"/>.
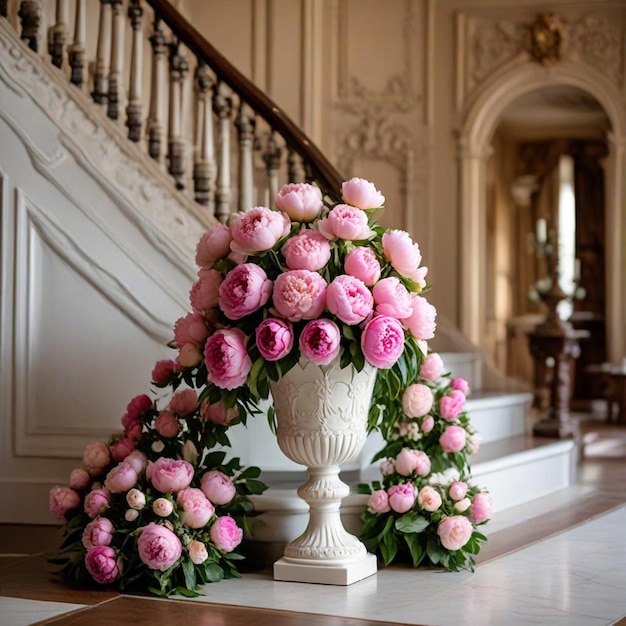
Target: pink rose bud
<point x="362" y="193"/>
<point x="460" y="384"/>
<point x="159" y="548"/>
<point x="454" y="532"/>
<point x="320" y="341"/>
<point x="299" y="294"/>
<point x="453" y="439"/>
<point x="184" y="402"/>
<point x="163" y="372"/>
<point x="167" y="425"/>
<point x="245" y="289"/>
<point x="482" y="507"/>
<point x="308" y="250"/>
<point x="162" y="507"/>
<point x="403" y="254"/>
<point x="98" y="532"/>
<point x="402" y="497"/>
<point x="197" y="552"/>
<point x="196" y="509"/>
<point x="62" y="500"/>
<point x="417" y="401"/>
<point x="226" y="358"/>
<point x="392" y="298"/>
<point x="79" y="479"/>
<point x="345" y="222"/>
<point x="458" y="490"/>
<point x="102" y="564"/>
<point x="382" y="341"/>
<point x="169" y="474"/>
<point x="225" y="534"/>
<point x="204" y="294"/>
<point x="300" y="201"/>
<point x="429" y="499"/>
<point x="363" y="264"/>
<point x="432" y="367"/>
<point x="462" y="505"/>
<point x="421" y="323"/>
<point x="136" y="499"/>
<point x="349" y="299"/>
<point x="257" y="229"/>
<point x="213" y="245"/>
<point x="274" y="338"/>
<point x="378" y="502"/>
<point x="190" y="329"/>
<point x="218" y="487"/>
<point x="451" y="406"/>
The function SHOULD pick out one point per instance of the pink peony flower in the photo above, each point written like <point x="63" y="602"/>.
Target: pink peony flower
<point x="453" y="439"/>
<point x="102" y="563"/>
<point x="421" y="323"/>
<point x="197" y="552"/>
<point x="163" y="372"/>
<point x="137" y="460"/>
<point x="299" y="294"/>
<point x="458" y="489"/>
<point x="138" y="406"/>
<point x="245" y="289"/>
<point x="184" y="402"/>
<point x="429" y="499"/>
<point x="122" y="448"/>
<point x="422" y="463"/>
<point x="196" y="509"/>
<point x="169" y="474"/>
<point x="462" y="505"/>
<point x="62" y="500"/>
<point x="98" y="532"/>
<point x="225" y="533"/>
<point x="218" y="413"/>
<point x="451" y="406"/>
<point x="363" y="264"/>
<point x="460" y="384"/>
<point x="428" y="424"/>
<point x="191" y="329"/>
<point x="454" y="532"/>
<point x="300" y="201"/>
<point x="204" y="293"/>
<point x="96" y="502"/>
<point x="189" y="355"/>
<point x="162" y="507"/>
<point x="392" y="298"/>
<point x="417" y="400"/>
<point x="213" y="245"/>
<point x="96" y="457"/>
<point x="218" y="487"/>
<point x="226" y="358"/>
<point x="482" y="507"/>
<point x="402" y="497"/>
<point x="167" y="425"/>
<point x="362" y="194"/>
<point x="378" y="502"/>
<point x="79" y="479"/>
<point x="159" y="548"/>
<point x="382" y="341"/>
<point x="308" y="250"/>
<point x="432" y="367"/>
<point x="345" y="222"/>
<point x="257" y="229"/>
<point x="403" y="253"/>
<point x="349" y="299"/>
<point x="121" y="478"/>
<point x="320" y="341"/>
<point x="274" y="338"/>
<point x="405" y="462"/>
<point x="136" y="499"/>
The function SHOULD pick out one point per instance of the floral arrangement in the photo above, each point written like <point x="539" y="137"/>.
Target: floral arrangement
<point x="425" y="510"/>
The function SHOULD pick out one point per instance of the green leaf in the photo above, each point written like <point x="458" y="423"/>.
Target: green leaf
<point x="213" y="573"/>
<point x="189" y="570"/>
<point x="415" y="548"/>
<point x="411" y="522"/>
<point x="388" y="547"/>
<point x="434" y="551"/>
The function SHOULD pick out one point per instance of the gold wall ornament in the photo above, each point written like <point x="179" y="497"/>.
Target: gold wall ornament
<point x="547" y="39"/>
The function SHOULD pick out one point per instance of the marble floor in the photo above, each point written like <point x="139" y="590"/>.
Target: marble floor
<point x="559" y="560"/>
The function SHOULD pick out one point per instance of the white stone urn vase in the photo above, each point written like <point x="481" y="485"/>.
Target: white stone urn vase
<point x="321" y="414"/>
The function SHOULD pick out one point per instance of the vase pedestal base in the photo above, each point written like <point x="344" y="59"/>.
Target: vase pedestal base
<point x="323" y="573"/>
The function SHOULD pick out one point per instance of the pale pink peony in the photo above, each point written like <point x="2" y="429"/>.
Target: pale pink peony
<point x="136" y="499"/>
<point x="482" y="507"/>
<point x="421" y="323"/>
<point x="429" y="499"/>
<point x="226" y="358"/>
<point x="121" y="478"/>
<point x="184" y="402"/>
<point x="162" y="507"/>
<point x="218" y="487"/>
<point x="428" y="423"/>
<point x="349" y="299"/>
<point x="299" y="294"/>
<point x="454" y="532"/>
<point x="274" y="338"/>
<point x="300" y="201"/>
<point x="245" y="289"/>
<point x="196" y="509"/>
<point x="218" y="413"/>
<point x="308" y="250"/>
<point x="213" y="245"/>
<point x="451" y="406"/>
<point x="417" y="400"/>
<point x="403" y="253"/>
<point x="169" y="474"/>
<point x="402" y="497"/>
<point x="458" y="489"/>
<point x="167" y="425"/>
<point x="257" y="229"/>
<point x="163" y="372"/>
<point x="62" y="500"/>
<point x="204" y="294"/>
<point x="362" y="193"/>
<point x="96" y="457"/>
<point x="345" y="222"/>
<point x="453" y="439"/>
<point x="225" y="534"/>
<point x="422" y="463"/>
<point x="79" y="479"/>
<point x="121" y="448"/>
<point x="191" y="329"/>
<point x="392" y="298"/>
<point x="137" y="460"/>
<point x="462" y="505"/>
<point x="432" y="367"/>
<point x="102" y="563"/>
<point x="98" y="532"/>
<point x="460" y="384"/>
<point x="405" y="462"/>
<point x="363" y="264"/>
<point x="378" y="502"/>
<point x="197" y="552"/>
<point x="320" y="341"/>
<point x="382" y="341"/>
<point x="159" y="548"/>
<point x="189" y="355"/>
<point x="96" y="502"/>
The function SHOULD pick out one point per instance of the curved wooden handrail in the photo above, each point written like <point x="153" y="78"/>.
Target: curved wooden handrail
<point x="327" y="175"/>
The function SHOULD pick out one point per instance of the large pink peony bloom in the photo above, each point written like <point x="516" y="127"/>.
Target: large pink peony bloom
<point x="402" y="497"/>
<point x="226" y="358"/>
<point x="62" y="500"/>
<point x="300" y="201"/>
<point x="159" y="548"/>
<point x="191" y="329"/>
<point x="453" y="439"/>
<point x="417" y="400"/>
<point x="362" y="263"/>
<point x="225" y="533"/>
<point x="345" y="222"/>
<point x="218" y="487"/>
<point x="392" y="298"/>
<point x="299" y="294"/>
<point x="432" y="367"/>
<point x="274" y="338"/>
<point x="121" y="478"/>
<point x="454" y="532"/>
<point x="102" y="563"/>
<point x="349" y="299"/>
<point x="451" y="406"/>
<point x="169" y="474"/>
<point x="308" y="250"/>
<point x="213" y="245"/>
<point x="98" y="532"/>
<point x="196" y="508"/>
<point x="429" y="498"/>
<point x="203" y="295"/>
<point x="403" y="254"/>
<point x="245" y="289"/>
<point x="362" y="193"/>
<point x="96" y="502"/>
<point x="320" y="341"/>
<point x="421" y="323"/>
<point x="257" y="230"/>
<point x="382" y="341"/>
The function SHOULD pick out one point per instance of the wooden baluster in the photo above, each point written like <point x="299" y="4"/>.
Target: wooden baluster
<point x="245" y="124"/>
<point x="117" y="60"/>
<point x="30" y="17"/>
<point x="157" y="100"/>
<point x="77" y="49"/>
<point x="175" y="144"/>
<point x="204" y="167"/>
<point x="295" y="168"/>
<point x="134" y="108"/>
<point x="57" y="34"/>
<point x="222" y="107"/>
<point x="271" y="158"/>
<point x="100" y="93"/>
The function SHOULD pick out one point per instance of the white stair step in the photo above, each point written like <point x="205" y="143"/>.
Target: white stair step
<point x="498" y="415"/>
<point x="466" y="365"/>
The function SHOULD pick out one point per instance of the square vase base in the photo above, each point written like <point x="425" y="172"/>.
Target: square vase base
<point x="344" y="574"/>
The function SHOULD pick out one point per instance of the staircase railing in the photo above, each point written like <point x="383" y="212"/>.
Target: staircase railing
<point x="188" y="131"/>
